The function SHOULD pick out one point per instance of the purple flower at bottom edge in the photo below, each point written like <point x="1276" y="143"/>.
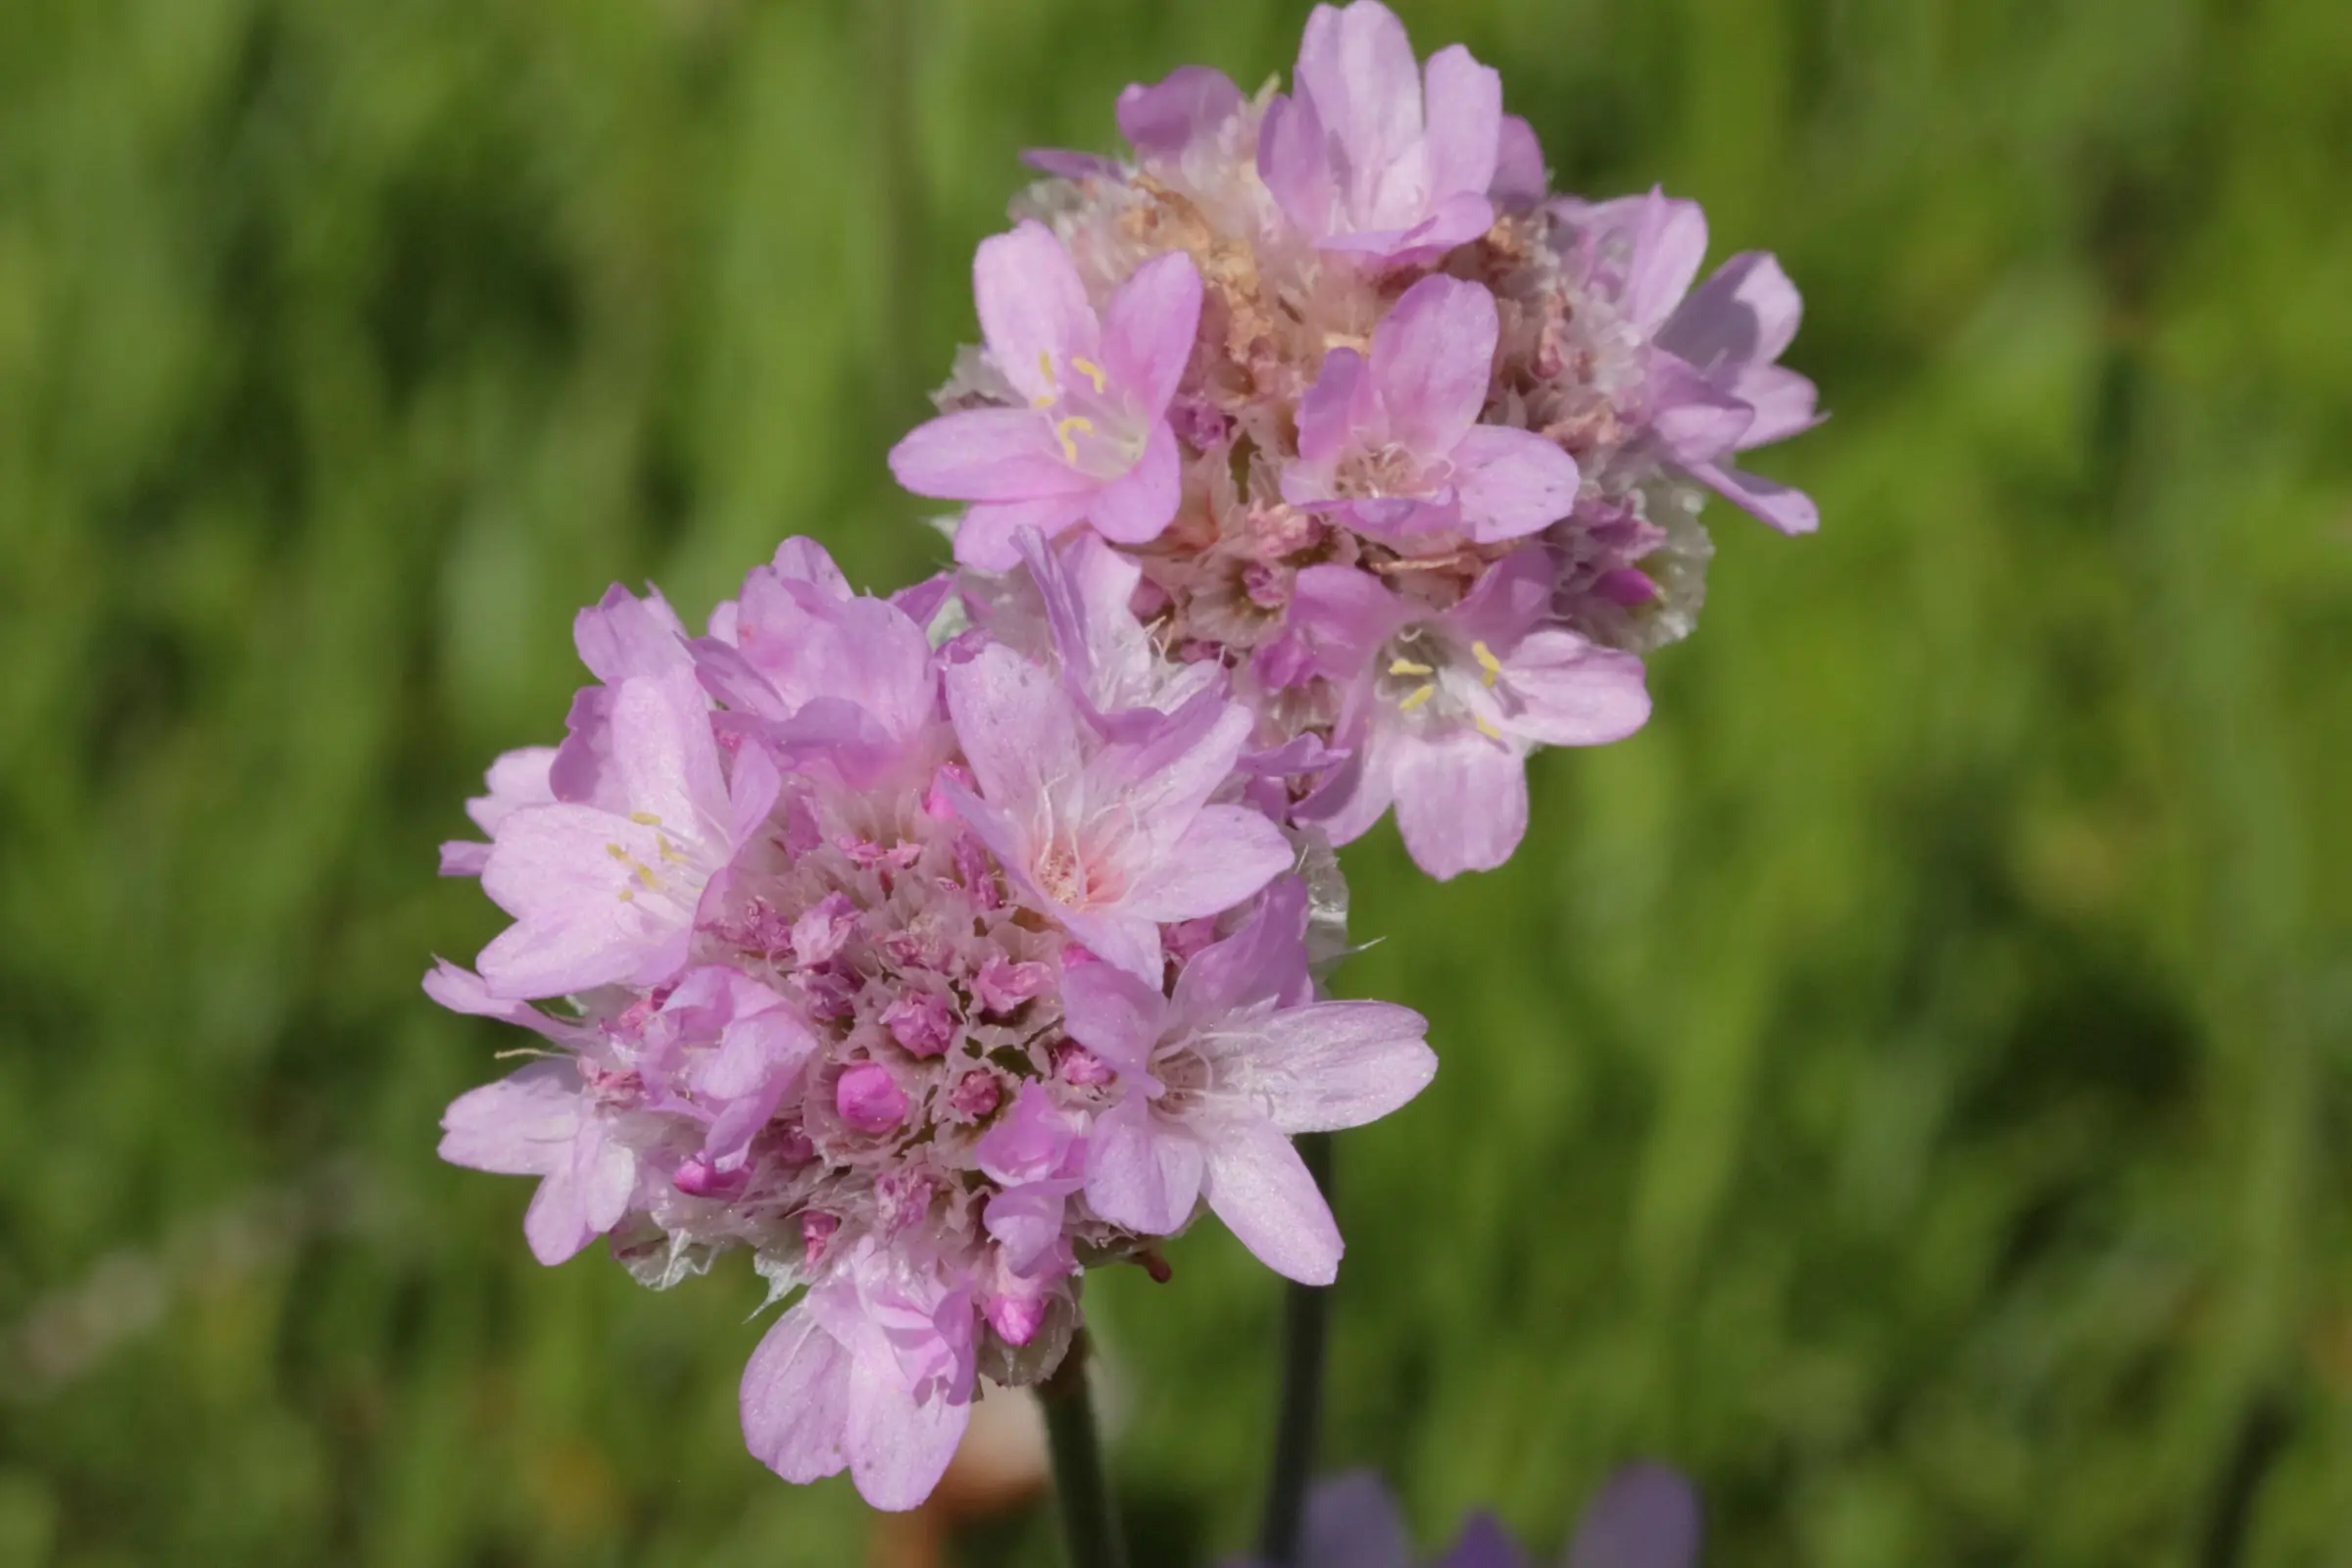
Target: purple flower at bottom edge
<point x="1644" y="1516"/>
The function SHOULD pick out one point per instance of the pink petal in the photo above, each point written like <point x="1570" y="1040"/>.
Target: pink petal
<point x="555" y="1225"/>
<point x="1148" y="327"/>
<point x="664" y="754"/>
<point x="1513" y="482"/>
<point x="1357" y="64"/>
<point x="1575" y="694"/>
<point x="1338" y="1065"/>
<point x="1033" y="309"/>
<point x="1351" y="1522"/>
<point x="1463" y="104"/>
<point x="622" y="635"/>
<point x="518" y="778"/>
<point x="1326" y="419"/>
<point x="1695" y="419"/>
<point x="1746" y="314"/>
<point x="1293" y="162"/>
<point x="1188" y="103"/>
<point x="1462" y="802"/>
<point x="1112" y="1013"/>
<point x="1343" y="615"/>
<point x="1520" y="180"/>
<point x="552" y="868"/>
<point x="523" y="1125"/>
<point x="1433" y="356"/>
<point x="1140" y="1172"/>
<point x="1117" y="936"/>
<point x="795" y="1400"/>
<point x="1020" y="731"/>
<point x="1226" y="855"/>
<point x="1257" y="1184"/>
<point x="985" y="455"/>
<point x="1784" y="403"/>
<point x="1792" y="511"/>
<point x="1136" y="507"/>
<point x="898" y="1448"/>
<point x="989" y="534"/>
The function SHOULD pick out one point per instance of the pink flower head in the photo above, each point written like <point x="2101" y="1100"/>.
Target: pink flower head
<point x="1441" y="710"/>
<point x="1714" y="387"/>
<point x="1394" y="442"/>
<point x="1373" y="155"/>
<point x="604" y="894"/>
<point x="1114" y="837"/>
<point x="1215" y="1079"/>
<point x="1094" y="444"/>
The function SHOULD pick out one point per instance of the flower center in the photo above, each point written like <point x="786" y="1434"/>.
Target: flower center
<point x="1101" y="430"/>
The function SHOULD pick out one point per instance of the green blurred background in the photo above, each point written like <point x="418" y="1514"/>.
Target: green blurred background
<point x="1906" y="1085"/>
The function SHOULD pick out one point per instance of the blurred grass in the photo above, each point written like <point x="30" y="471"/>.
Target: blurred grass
<point x="1906" y="1085"/>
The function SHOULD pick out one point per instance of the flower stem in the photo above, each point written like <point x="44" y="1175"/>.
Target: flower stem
<point x="1089" y="1522"/>
<point x="1307" y="1310"/>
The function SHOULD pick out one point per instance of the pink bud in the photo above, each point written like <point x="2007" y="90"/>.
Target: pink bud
<point x="975" y="1095"/>
<point x="869" y="1099"/>
<point x="815" y="1231"/>
<point x="1016" y="1318"/>
<point x="1081" y="1066"/>
<point x="922" y="1022"/>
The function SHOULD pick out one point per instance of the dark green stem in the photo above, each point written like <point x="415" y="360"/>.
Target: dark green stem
<point x="1306" y="1314"/>
<point x="1089" y="1522"/>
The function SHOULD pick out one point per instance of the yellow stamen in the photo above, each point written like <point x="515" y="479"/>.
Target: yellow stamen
<point x="670" y="851"/>
<point x="617" y="852"/>
<point x="1487" y="662"/>
<point x="1405" y="666"/>
<point x="1045" y="367"/>
<point x="1089" y="370"/>
<point x="1418" y="695"/>
<point x="645" y="819"/>
<point x="1061" y="433"/>
<point x="1486" y="728"/>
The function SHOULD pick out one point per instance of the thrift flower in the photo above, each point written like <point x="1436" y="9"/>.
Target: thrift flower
<point x="1094" y="442"/>
<point x="822" y="910"/>
<point x="1644" y="1516"/>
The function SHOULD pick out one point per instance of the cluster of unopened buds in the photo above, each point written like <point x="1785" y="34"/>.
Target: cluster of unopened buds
<point x="939" y="948"/>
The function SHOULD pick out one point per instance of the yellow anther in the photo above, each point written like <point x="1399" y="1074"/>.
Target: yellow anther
<point x="1418" y="695"/>
<point x="1089" y="370"/>
<point x="645" y="819"/>
<point x="670" y="851"/>
<point x="1486" y="726"/>
<point x="617" y="852"/>
<point x="1487" y="662"/>
<point x="645" y="878"/>
<point x="627" y="897"/>
<point x="1044" y="400"/>
<point x="1405" y="666"/>
<point x="1061" y="433"/>
<point x="1045" y="367"/>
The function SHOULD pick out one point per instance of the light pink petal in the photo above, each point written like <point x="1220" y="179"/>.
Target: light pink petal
<point x="1786" y="404"/>
<point x="1353" y="796"/>
<point x="1148" y="327"/>
<point x="1166" y="773"/>
<point x="1746" y="314"/>
<point x="1020" y="733"/>
<point x="796" y="1399"/>
<point x="753" y="1052"/>
<point x="1513" y="482"/>
<point x="553" y="869"/>
<point x="1135" y="508"/>
<point x="1463" y="103"/>
<point x="1266" y="960"/>
<point x="1326" y="419"/>
<point x="1357" y="64"/>
<point x="606" y="1173"/>
<point x="751" y="793"/>
<point x="622" y="635"/>
<point x="1227" y="853"/>
<point x="664" y="754"/>
<point x="1338" y="1065"/>
<point x="518" y="778"/>
<point x="1259" y="1186"/>
<point x="1432" y="359"/>
<point x="555" y="1225"/>
<point x="1343" y="615"/>
<point x="1510" y="598"/>
<point x="1293" y="162"/>
<point x="1454" y="221"/>
<point x="464" y="858"/>
<point x="1573" y="693"/>
<point x="1111" y="1014"/>
<point x="1655" y="242"/>
<point x="1169" y="116"/>
<point x="986" y="455"/>
<point x="1792" y="511"/>
<point x="523" y="1125"/>
<point x="1033" y="309"/>
<point x="1068" y="164"/>
<point x="1462" y="802"/>
<point x="1116" y="935"/>
<point x="898" y="1448"/>
<point x="1025" y="1221"/>
<point x="801" y="558"/>
<point x="989" y="534"/>
<point x="1142" y="1173"/>
<point x="1520" y="180"/>
<point x="1697" y="420"/>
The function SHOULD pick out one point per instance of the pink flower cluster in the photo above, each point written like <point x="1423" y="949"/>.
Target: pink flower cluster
<point x="930" y="975"/>
<point x="938" y="947"/>
<point x="1409" y="446"/>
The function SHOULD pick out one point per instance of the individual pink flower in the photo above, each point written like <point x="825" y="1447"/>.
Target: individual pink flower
<point x="1213" y="1080"/>
<point x="1371" y="154"/>
<point x="1394" y="442"/>
<point x="1714" y="385"/>
<point x="517" y="779"/>
<point x="1094" y="444"/>
<point x="872" y="1372"/>
<point x="609" y="895"/>
<point x="544" y="1121"/>
<point x="1441" y="710"/>
<point x="1114" y="837"/>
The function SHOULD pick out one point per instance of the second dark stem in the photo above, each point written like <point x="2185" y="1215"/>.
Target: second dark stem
<point x="1089" y="1523"/>
<point x="1306" y="1312"/>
